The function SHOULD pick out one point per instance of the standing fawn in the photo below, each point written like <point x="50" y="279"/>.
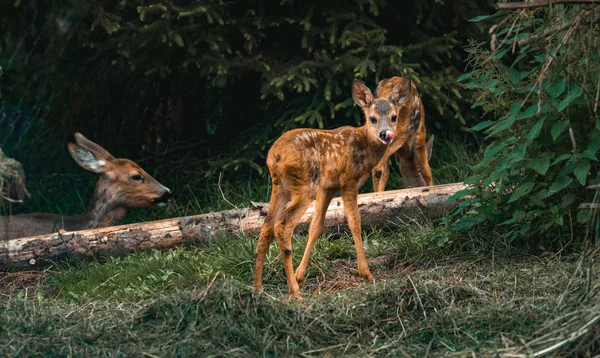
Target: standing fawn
<point x="305" y="164"/>
<point x="122" y="184"/>
<point x="414" y="153"/>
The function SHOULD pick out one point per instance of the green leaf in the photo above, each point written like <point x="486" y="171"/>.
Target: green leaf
<point x="482" y="125"/>
<point x="537" y="128"/>
<point x="491" y="150"/>
<point x="529" y="112"/>
<point x="583" y="216"/>
<point x="559" y="184"/>
<point x="498" y="55"/>
<point x="589" y="154"/>
<point x="558" y="128"/>
<point x="594" y="144"/>
<point x="556" y="89"/>
<point x="540" y="164"/>
<point x="574" y="92"/>
<point x="582" y="171"/>
<point x="484" y="17"/>
<point x="514" y="75"/>
<point x="567" y="200"/>
<point x="460" y="194"/>
<point x="507" y="120"/>
<point x="465" y="76"/>
<point x="561" y="158"/>
<point x="522" y="190"/>
<point x="478" y="104"/>
<point x="536" y="201"/>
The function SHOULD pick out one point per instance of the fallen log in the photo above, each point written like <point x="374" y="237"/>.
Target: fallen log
<point x="377" y="210"/>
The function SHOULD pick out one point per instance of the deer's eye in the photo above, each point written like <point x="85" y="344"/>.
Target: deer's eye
<point x="373" y="119"/>
<point x="137" y="177"/>
<point x="394" y="118"/>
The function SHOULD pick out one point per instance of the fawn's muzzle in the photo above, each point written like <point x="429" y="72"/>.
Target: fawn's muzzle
<point x="164" y="198"/>
<point x="386" y="135"/>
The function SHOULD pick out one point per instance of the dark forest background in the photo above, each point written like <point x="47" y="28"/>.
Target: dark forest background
<point x="201" y="87"/>
<point x="192" y="90"/>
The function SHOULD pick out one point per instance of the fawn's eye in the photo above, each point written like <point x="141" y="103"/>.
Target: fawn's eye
<point x="137" y="177"/>
<point x="394" y="118"/>
<point x="373" y="119"/>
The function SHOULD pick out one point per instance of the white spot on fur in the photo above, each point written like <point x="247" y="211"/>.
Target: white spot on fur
<point x="417" y="101"/>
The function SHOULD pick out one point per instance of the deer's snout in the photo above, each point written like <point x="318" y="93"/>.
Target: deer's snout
<point x="386" y="135"/>
<point x="164" y="198"/>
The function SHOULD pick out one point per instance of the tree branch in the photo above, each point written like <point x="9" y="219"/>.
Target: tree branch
<point x="579" y="21"/>
<point x="540" y="3"/>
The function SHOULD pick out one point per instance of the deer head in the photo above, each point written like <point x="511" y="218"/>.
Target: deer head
<point x="122" y="181"/>
<point x="381" y="113"/>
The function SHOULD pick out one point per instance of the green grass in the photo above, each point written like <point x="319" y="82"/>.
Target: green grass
<point x="426" y="299"/>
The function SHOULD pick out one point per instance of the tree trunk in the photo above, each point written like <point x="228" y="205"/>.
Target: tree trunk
<point x="376" y="209"/>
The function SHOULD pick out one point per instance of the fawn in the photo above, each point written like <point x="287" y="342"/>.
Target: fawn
<point x="122" y="184"/>
<point x="413" y="153"/>
<point x="305" y="164"/>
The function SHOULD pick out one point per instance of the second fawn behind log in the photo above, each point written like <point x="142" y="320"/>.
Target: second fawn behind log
<point x="305" y="164"/>
<point x="413" y="153"/>
<point x="122" y="184"/>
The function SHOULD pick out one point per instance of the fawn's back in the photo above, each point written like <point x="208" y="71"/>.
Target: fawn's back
<point x="322" y="158"/>
<point x="121" y="184"/>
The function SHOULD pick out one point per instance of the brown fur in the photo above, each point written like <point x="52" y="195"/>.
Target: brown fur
<point x="305" y="164"/>
<point x="413" y="152"/>
<point x="117" y="189"/>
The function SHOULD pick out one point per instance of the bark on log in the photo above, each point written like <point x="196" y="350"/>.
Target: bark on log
<point x="377" y="210"/>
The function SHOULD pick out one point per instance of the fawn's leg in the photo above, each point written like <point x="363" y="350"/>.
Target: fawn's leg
<point x="267" y="234"/>
<point x="422" y="158"/>
<point x="350" y="198"/>
<point x="316" y="229"/>
<point x="284" y="229"/>
<point x="380" y="174"/>
<point x="409" y="171"/>
<point x="414" y="167"/>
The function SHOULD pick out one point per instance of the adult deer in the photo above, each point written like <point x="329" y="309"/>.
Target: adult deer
<point x="305" y="164"/>
<point x="122" y="184"/>
<point x="414" y="152"/>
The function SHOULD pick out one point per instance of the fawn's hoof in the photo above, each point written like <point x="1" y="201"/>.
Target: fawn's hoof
<point x="300" y="280"/>
<point x="295" y="298"/>
<point x="367" y="276"/>
<point x="294" y="295"/>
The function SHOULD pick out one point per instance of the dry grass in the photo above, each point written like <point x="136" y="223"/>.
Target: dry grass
<point x="456" y="302"/>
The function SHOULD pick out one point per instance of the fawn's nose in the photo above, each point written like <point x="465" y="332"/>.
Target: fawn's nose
<point x="386" y="135"/>
<point x="165" y="197"/>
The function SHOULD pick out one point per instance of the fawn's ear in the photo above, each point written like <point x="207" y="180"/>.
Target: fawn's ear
<point x="86" y="158"/>
<point x="430" y="147"/>
<point x="401" y="91"/>
<point x="97" y="150"/>
<point x="361" y="94"/>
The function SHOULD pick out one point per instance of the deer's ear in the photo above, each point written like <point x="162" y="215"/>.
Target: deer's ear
<point x="361" y="94"/>
<point x="86" y="159"/>
<point x="430" y="147"/>
<point x="98" y="151"/>
<point x="401" y="91"/>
